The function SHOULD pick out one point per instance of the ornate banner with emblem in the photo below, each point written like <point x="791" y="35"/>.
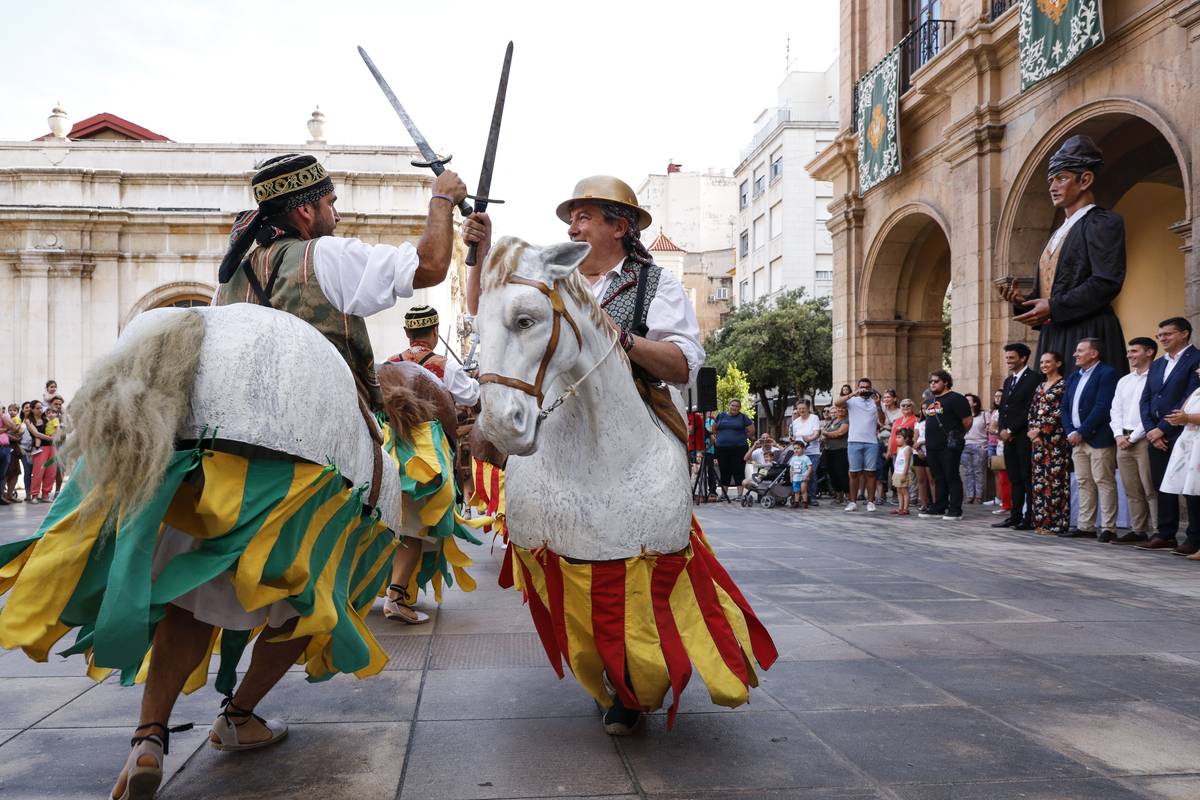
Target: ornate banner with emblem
<point x="1053" y="33"/>
<point x="878" y="98"/>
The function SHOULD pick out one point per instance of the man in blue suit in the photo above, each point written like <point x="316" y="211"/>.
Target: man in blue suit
<point x="1172" y="378"/>
<point x="1085" y="416"/>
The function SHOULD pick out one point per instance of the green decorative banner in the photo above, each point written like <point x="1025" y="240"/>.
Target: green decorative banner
<point x="1053" y="33"/>
<point x="878" y="99"/>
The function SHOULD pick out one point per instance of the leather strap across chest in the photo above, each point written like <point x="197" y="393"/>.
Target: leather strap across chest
<point x="560" y="313"/>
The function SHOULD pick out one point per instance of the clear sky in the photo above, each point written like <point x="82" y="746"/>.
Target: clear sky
<point x="595" y="88"/>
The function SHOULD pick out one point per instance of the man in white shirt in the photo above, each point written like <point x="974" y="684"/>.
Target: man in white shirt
<point x="806" y="429"/>
<point x="1133" y="450"/>
<point x="1086" y="404"/>
<point x="862" y="447"/>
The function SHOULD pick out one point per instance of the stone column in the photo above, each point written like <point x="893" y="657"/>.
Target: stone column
<point x="33" y="364"/>
<point x="1187" y="16"/>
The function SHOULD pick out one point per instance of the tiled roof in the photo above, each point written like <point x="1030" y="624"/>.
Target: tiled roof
<point x="88" y="128"/>
<point x="664" y="244"/>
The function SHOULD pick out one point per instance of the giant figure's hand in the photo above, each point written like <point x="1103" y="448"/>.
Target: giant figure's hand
<point x="1038" y="311"/>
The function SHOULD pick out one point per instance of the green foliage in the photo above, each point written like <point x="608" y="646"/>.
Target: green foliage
<point x="734" y="385"/>
<point x="785" y="347"/>
<point x="946" y="330"/>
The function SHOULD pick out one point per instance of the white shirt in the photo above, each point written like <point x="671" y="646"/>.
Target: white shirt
<point x="670" y="317"/>
<point x="1068" y="223"/>
<point x="864" y="419"/>
<point x="462" y="387"/>
<point x="1172" y="360"/>
<point x="1084" y="374"/>
<point x="804" y="428"/>
<point x="1126" y="413"/>
<point x="363" y="279"/>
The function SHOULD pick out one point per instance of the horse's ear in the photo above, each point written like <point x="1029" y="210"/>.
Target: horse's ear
<point x="560" y="260"/>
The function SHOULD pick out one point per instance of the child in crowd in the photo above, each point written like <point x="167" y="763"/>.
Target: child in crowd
<point x="800" y="465"/>
<point x="902" y="468"/>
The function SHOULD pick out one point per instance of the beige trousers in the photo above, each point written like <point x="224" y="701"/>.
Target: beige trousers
<point x="1140" y="492"/>
<point x="1095" y="469"/>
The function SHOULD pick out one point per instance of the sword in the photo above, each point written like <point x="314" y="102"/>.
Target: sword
<point x="489" y="154"/>
<point x="432" y="160"/>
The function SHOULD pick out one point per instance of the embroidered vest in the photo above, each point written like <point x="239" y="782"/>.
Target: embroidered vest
<point x="421" y="354"/>
<point x="298" y="292"/>
<point x="618" y="299"/>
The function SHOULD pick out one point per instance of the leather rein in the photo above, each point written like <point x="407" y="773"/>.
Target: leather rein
<point x="535" y="389"/>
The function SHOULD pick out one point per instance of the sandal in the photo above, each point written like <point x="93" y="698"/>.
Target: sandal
<point x="400" y="608"/>
<point x="141" y="782"/>
<point x="224" y="733"/>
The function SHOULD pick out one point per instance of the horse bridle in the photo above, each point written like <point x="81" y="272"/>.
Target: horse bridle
<point x="560" y="313"/>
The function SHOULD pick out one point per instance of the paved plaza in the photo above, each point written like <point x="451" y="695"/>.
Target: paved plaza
<point x="919" y="660"/>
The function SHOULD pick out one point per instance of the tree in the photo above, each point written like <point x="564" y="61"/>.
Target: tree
<point x="946" y="365"/>
<point x="733" y="385"/>
<point x="785" y="348"/>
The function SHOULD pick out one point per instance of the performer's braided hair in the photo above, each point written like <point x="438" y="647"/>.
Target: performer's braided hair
<point x="634" y="249"/>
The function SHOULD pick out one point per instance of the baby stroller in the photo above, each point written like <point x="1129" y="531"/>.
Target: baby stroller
<point x="771" y="486"/>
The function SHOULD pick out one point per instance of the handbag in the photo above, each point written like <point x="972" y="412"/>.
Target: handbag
<point x="996" y="462"/>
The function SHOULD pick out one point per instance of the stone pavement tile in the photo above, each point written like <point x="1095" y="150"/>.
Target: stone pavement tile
<point x="802" y="641"/>
<point x="110" y="704"/>
<point x="697" y="700"/>
<point x="905" y="590"/>
<point x="830" y="685"/>
<point x="772" y="794"/>
<point x="513" y="758"/>
<point x="1082" y="609"/>
<point x="406" y="652"/>
<point x="854" y="574"/>
<point x="390" y="696"/>
<point x="853" y="612"/>
<point x="916" y="641"/>
<point x="1149" y="676"/>
<point x="27" y="700"/>
<point x="1125" y="737"/>
<point x="1084" y="789"/>
<point x="380" y="625"/>
<point x="456" y="694"/>
<point x="770" y="614"/>
<point x="762" y="578"/>
<point x="721" y="752"/>
<point x="1172" y="787"/>
<point x="76" y="763"/>
<point x="483" y="620"/>
<point x="788" y="593"/>
<point x="1050" y="638"/>
<point x="968" y="611"/>
<point x="1163" y="635"/>
<point x="485" y="651"/>
<point x="15" y="664"/>
<point x="352" y="760"/>
<point x="998" y="681"/>
<point x="936" y="745"/>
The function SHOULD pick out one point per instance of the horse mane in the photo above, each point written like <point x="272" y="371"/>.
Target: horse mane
<point x="504" y="260"/>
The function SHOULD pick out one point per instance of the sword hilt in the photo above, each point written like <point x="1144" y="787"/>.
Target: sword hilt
<point x="438" y="165"/>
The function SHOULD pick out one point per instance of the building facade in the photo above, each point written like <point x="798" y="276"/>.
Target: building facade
<point x="698" y="210"/>
<point x="782" y="241"/>
<point x="969" y="206"/>
<point x="705" y="275"/>
<point x="107" y="220"/>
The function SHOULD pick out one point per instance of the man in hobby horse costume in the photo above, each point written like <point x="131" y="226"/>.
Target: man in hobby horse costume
<point x="696" y="611"/>
<point x="297" y="266"/>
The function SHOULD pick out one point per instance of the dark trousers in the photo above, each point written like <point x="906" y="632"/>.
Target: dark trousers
<point x="1168" y="504"/>
<point x="1018" y="463"/>
<point x="837" y="467"/>
<point x="944" y="464"/>
<point x="5" y="457"/>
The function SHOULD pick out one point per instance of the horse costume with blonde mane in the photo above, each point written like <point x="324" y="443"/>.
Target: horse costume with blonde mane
<point x="214" y="469"/>
<point x="619" y="578"/>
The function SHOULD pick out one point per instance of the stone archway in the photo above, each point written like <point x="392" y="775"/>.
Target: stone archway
<point x="902" y="293"/>
<point x="179" y="294"/>
<point x="1145" y="180"/>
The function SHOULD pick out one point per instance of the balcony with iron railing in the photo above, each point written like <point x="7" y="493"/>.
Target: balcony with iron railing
<point x="916" y="50"/>
<point x="998" y="7"/>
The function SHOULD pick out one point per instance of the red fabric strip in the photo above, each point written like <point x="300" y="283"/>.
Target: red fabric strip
<point x="506" y="569"/>
<point x="679" y="666"/>
<point x="541" y="621"/>
<point x="760" y="640"/>
<point x="714" y="617"/>
<point x="608" y="624"/>
<point x="552" y="569"/>
<point x="494" y="492"/>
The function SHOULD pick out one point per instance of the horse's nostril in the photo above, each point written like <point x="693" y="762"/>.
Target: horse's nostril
<point x="518" y="418"/>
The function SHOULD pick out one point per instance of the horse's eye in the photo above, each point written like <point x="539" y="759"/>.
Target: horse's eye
<point x="524" y="323"/>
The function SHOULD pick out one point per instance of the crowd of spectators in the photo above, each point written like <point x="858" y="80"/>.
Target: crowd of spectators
<point x="30" y="435"/>
<point x="1048" y="455"/>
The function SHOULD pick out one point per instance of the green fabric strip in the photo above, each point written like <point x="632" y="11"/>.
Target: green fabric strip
<point x="233" y="644"/>
<point x="291" y="535"/>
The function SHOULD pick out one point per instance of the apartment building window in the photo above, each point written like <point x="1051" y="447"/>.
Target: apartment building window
<point x="760" y="225"/>
<point x="760" y="181"/>
<point x="744" y="244"/>
<point x="921" y="11"/>
<point x="776" y="165"/>
<point x="821" y="207"/>
<point x="760" y="282"/>
<point x="776" y="276"/>
<point x="824" y="268"/>
<point x="744" y="194"/>
<point x="776" y="219"/>
<point x="744" y="292"/>
<point x="822" y="238"/>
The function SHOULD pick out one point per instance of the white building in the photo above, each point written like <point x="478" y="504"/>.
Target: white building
<point x="107" y="219"/>
<point x="782" y="242"/>
<point x="698" y="210"/>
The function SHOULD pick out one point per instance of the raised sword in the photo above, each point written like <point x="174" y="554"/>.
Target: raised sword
<point x="489" y="154"/>
<point x="432" y="160"/>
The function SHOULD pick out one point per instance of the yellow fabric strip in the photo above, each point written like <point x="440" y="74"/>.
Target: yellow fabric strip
<point x="584" y="658"/>
<point x="737" y="621"/>
<point x="214" y="513"/>
<point x="459" y="561"/>
<point x="324" y="615"/>
<point x="644" y="660"/>
<point x="724" y="687"/>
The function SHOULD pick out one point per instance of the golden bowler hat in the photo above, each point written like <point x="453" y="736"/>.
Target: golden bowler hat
<point x="605" y="189"/>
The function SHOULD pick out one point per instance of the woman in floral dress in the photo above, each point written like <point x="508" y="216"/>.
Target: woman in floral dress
<point x="1051" y="494"/>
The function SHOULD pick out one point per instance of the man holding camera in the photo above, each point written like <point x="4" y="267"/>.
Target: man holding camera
<point x="862" y="447"/>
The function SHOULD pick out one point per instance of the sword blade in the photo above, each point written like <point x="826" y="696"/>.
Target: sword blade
<point x="489" y="154"/>
<point x="426" y="151"/>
